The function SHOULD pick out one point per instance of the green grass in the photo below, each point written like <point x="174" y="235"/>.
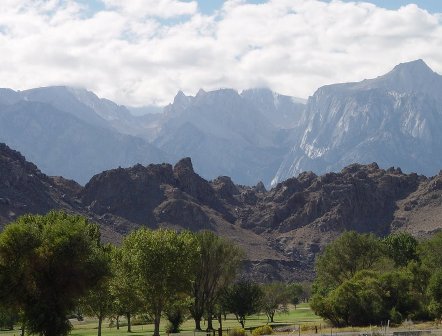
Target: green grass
<point x="302" y="315"/>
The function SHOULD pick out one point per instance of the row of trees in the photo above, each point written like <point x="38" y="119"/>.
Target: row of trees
<point x="53" y="265"/>
<point x="163" y="272"/>
<point x="362" y="279"/>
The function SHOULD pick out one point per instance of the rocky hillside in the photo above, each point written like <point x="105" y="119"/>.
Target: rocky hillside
<point x="281" y="230"/>
<point x="25" y="189"/>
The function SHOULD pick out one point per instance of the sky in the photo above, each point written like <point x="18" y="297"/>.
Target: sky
<point x="142" y="52"/>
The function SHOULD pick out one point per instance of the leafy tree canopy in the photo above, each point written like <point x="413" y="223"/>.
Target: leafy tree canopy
<point x="402" y="248"/>
<point x="46" y="264"/>
<point x="341" y="259"/>
<point x="243" y="299"/>
<point x="216" y="265"/>
<point x="160" y="265"/>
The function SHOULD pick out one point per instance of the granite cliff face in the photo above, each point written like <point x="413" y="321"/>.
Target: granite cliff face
<point x="394" y="119"/>
<point x="281" y="230"/>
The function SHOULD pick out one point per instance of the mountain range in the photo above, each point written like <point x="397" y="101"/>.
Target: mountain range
<point x="71" y="132"/>
<point x="281" y="230"/>
<point x="100" y="160"/>
<point x="252" y="136"/>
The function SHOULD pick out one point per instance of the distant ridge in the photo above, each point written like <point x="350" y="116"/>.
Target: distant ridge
<point x="77" y="134"/>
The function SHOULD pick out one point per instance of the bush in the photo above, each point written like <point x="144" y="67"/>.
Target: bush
<point x="141" y="319"/>
<point x="263" y="330"/>
<point x="171" y="329"/>
<point x="237" y="332"/>
<point x="8" y="318"/>
<point x="395" y="316"/>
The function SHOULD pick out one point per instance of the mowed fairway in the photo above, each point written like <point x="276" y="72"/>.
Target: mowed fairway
<point x="301" y="315"/>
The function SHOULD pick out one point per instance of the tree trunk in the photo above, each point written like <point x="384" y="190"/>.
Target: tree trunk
<point x="220" y="321"/>
<point x="100" y="322"/>
<point x="197" y="323"/>
<point x="129" y="328"/>
<point x="197" y="311"/>
<point x="209" y="321"/>
<point x="156" y="331"/>
<point x="242" y="322"/>
<point x="23" y="329"/>
<point x="118" y="322"/>
<point x="271" y="317"/>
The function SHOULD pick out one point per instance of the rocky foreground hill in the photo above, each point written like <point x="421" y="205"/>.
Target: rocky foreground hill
<point x="281" y="230"/>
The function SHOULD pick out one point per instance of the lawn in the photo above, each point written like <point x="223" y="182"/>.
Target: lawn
<point x="301" y="315"/>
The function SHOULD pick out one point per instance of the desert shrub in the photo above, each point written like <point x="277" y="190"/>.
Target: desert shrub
<point x="237" y="332"/>
<point x="263" y="330"/>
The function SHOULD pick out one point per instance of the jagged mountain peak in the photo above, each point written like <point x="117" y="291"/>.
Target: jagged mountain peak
<point x="201" y="93"/>
<point x="184" y="164"/>
<point x="216" y="96"/>
<point x="10" y="155"/>
<point x="415" y="72"/>
<point x="409" y="77"/>
<point x="180" y="97"/>
<point x="413" y="67"/>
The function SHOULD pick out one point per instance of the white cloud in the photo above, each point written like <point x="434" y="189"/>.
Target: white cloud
<point x="159" y="8"/>
<point x="143" y="51"/>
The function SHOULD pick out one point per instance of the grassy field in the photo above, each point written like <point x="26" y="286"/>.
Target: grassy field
<point x="301" y="315"/>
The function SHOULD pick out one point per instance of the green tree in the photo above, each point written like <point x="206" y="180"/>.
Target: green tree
<point x="400" y="296"/>
<point x="357" y="301"/>
<point x="350" y="253"/>
<point x="46" y="264"/>
<point x="402" y="248"/>
<point x="296" y="291"/>
<point x="8" y="317"/>
<point x="275" y="298"/>
<point x="368" y="297"/>
<point x="435" y="294"/>
<point x="430" y="252"/>
<point x="176" y="311"/>
<point x="243" y="299"/>
<point x="99" y="300"/>
<point x="216" y="265"/>
<point x="127" y="300"/>
<point x="160" y="265"/>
